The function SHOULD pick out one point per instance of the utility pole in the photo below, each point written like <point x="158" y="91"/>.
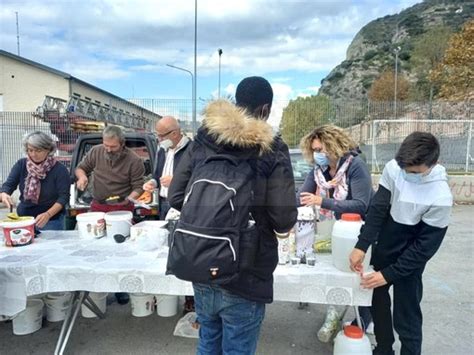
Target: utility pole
<point x="195" y="69"/>
<point x="219" y="51"/>
<point x="17" y="34"/>
<point x="396" y="50"/>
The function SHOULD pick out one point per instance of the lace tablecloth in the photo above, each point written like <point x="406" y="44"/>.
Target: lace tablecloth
<point x="61" y="261"/>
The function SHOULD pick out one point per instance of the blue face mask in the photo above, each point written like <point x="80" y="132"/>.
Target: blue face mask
<point x="414" y="178"/>
<point x="321" y="159"/>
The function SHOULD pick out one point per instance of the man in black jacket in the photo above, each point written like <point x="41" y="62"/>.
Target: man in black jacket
<point x="172" y="146"/>
<point x="230" y="315"/>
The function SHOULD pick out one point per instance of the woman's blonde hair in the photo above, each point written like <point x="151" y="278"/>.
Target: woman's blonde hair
<point x="335" y="140"/>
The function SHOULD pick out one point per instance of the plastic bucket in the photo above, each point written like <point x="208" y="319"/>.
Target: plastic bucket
<point x="352" y="340"/>
<point x="19" y="233"/>
<point x="118" y="222"/>
<point x="142" y="304"/>
<point x="30" y="320"/>
<point x="91" y="225"/>
<point x="100" y="300"/>
<point x="166" y="306"/>
<point x="57" y="305"/>
<point x="344" y="237"/>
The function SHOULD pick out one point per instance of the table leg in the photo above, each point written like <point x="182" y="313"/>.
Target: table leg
<point x="359" y="323"/>
<point x="68" y="323"/>
<point x="89" y="303"/>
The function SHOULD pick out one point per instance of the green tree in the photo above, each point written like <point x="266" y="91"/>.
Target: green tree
<point x="304" y="114"/>
<point x="428" y="52"/>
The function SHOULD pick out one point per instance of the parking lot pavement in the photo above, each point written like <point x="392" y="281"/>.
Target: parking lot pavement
<point x="447" y="305"/>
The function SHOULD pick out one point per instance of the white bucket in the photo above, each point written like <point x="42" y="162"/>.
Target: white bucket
<point x="30" y="320"/>
<point x="91" y="225"/>
<point x="143" y="304"/>
<point x="166" y="306"/>
<point x="100" y="300"/>
<point x="344" y="237"/>
<point x="118" y="222"/>
<point x="57" y="305"/>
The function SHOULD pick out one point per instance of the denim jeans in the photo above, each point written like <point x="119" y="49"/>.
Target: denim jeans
<point x="229" y="324"/>
<point x="56" y="224"/>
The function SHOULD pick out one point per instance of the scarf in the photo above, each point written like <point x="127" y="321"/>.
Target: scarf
<point x="36" y="173"/>
<point x="338" y="183"/>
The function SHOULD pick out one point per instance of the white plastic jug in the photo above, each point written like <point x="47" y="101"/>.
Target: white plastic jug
<point x="344" y="238"/>
<point x="352" y="341"/>
<point x="118" y="222"/>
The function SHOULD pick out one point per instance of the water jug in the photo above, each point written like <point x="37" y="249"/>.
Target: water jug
<point x="353" y="341"/>
<point x="344" y="237"/>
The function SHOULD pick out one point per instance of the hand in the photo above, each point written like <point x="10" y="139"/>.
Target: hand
<point x="81" y="183"/>
<point x="149" y="186"/>
<point x="373" y="280"/>
<point x="166" y="180"/>
<point x="356" y="259"/>
<point x="6" y="199"/>
<point x="42" y="219"/>
<point x="309" y="199"/>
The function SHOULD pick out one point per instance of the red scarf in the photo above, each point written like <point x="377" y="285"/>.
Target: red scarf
<point x="36" y="173"/>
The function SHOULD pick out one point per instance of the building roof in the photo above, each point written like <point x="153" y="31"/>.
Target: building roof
<point x="68" y="77"/>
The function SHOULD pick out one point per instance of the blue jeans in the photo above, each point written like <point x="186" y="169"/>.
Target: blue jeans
<point x="229" y="324"/>
<point x="56" y="224"/>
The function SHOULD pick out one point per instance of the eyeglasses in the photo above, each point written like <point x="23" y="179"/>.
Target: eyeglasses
<point x="165" y="134"/>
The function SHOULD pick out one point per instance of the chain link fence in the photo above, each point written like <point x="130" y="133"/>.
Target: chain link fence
<point x="378" y="128"/>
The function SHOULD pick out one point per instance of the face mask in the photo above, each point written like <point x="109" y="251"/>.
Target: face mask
<point x="321" y="159"/>
<point x="414" y="178"/>
<point x="166" y="144"/>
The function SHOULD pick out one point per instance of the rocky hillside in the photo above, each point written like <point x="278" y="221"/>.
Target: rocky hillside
<point x="372" y="49"/>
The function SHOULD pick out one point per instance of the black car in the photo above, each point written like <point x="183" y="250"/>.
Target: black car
<point x="301" y="167"/>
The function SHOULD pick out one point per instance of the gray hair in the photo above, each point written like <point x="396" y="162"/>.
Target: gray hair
<point x="114" y="132"/>
<point x="39" y="140"/>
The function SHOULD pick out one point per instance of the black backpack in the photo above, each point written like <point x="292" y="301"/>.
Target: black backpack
<point x="215" y="237"/>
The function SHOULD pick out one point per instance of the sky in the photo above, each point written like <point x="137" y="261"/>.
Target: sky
<point x="123" y="46"/>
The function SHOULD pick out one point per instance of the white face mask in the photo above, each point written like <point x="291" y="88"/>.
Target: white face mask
<point x="166" y="144"/>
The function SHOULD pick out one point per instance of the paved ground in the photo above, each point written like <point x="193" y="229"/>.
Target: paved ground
<point x="448" y="316"/>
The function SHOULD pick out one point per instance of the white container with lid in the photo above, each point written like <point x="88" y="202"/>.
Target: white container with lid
<point x="344" y="237"/>
<point x="352" y="340"/>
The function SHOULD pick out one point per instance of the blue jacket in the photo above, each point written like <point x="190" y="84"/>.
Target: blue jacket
<point x="54" y="188"/>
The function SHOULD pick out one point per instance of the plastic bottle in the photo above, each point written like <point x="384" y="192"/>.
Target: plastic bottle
<point x="352" y="340"/>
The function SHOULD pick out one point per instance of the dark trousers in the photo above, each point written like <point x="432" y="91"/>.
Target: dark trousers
<point x="164" y="208"/>
<point x="407" y="316"/>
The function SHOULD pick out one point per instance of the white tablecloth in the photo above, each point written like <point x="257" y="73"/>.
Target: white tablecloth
<point x="61" y="261"/>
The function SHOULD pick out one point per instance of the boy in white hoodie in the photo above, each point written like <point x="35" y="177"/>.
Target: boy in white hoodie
<point x="406" y="223"/>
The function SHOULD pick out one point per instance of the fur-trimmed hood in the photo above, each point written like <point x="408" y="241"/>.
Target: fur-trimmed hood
<point x="230" y="125"/>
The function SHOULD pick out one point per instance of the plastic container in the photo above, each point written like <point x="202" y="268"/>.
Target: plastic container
<point x="57" y="305"/>
<point x="344" y="237"/>
<point x="100" y="300"/>
<point x="91" y="225"/>
<point x="304" y="231"/>
<point x="166" y="306"/>
<point x="29" y="320"/>
<point x="118" y="222"/>
<point x="150" y="229"/>
<point x="143" y="304"/>
<point x="352" y="340"/>
<point x="19" y="233"/>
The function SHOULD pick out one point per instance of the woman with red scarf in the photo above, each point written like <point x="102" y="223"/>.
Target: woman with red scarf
<point x="339" y="183"/>
<point x="43" y="183"/>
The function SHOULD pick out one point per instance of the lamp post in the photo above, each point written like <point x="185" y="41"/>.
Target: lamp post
<point x="396" y="50"/>
<point x="193" y="92"/>
<point x="195" y="68"/>
<point x="219" y="51"/>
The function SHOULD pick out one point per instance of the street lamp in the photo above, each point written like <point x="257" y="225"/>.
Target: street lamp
<point x="219" y="51"/>
<point x="396" y="50"/>
<point x="193" y="92"/>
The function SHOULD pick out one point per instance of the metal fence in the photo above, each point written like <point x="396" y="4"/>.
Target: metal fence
<point x="378" y="128"/>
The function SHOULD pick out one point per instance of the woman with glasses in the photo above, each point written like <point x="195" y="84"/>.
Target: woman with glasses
<point x="43" y="183"/>
<point x="339" y="183"/>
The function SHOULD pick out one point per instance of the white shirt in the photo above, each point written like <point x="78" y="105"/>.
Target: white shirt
<point x="169" y="163"/>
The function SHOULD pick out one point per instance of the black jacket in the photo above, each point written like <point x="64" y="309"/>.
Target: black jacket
<point x="161" y="159"/>
<point x="226" y="129"/>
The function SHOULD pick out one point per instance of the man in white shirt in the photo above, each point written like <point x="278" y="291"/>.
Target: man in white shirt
<point x="172" y="145"/>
